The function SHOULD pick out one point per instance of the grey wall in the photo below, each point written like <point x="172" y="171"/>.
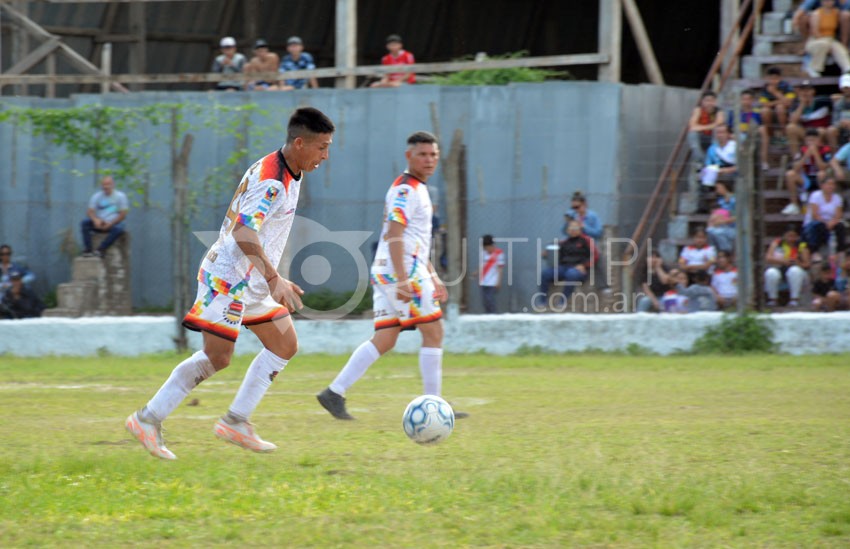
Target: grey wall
<point x="528" y="147"/>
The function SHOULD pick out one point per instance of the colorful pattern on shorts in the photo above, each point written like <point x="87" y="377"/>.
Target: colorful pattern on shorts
<point x="220" y="285"/>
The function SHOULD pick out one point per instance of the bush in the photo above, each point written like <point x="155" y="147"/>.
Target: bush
<point x="747" y="333"/>
<point x="498" y="77"/>
<point x="327" y="300"/>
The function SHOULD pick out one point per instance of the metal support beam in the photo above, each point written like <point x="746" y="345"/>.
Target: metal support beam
<point x="346" y="40"/>
<point x="610" y="39"/>
<point x="647" y="55"/>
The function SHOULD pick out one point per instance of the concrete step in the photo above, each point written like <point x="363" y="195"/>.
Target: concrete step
<point x="784" y="5"/>
<point x="87" y="268"/>
<point x="78" y="296"/>
<point x="754" y="66"/>
<point x="767" y="44"/>
<point x="773" y="23"/>
<point x="60" y="312"/>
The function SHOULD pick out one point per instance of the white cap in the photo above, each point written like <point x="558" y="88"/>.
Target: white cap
<point x="228" y="42"/>
<point x="844" y="81"/>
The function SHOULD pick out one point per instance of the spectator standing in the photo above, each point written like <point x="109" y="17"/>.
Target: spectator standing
<point x="19" y="301"/>
<point x="787" y="258"/>
<point x="654" y="287"/>
<point x="490" y="269"/>
<point x="396" y="55"/>
<point x="825" y="216"/>
<point x="576" y="254"/>
<point x="264" y="61"/>
<point x="721" y="224"/>
<point x="229" y="62"/>
<point x="724" y="281"/>
<point x="296" y="59"/>
<point x="106" y="213"/>
<point x="809" y="168"/>
<point x="7" y="267"/>
<point x="823" y="40"/>
<point x="704" y="119"/>
<point x="775" y="102"/>
<point x="699" y="255"/>
<point x="807" y="111"/>
<point x="587" y="219"/>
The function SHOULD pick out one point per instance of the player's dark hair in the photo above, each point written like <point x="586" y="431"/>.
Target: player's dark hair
<point x="6" y="247"/>
<point x="791" y="228"/>
<point x="421" y="137"/>
<point x="749" y="92"/>
<point x="701" y="277"/>
<point x="699" y="231"/>
<point x="487" y="240"/>
<point x="774" y="70"/>
<point x="708" y="93"/>
<point x="578" y="197"/>
<point x="308" y="120"/>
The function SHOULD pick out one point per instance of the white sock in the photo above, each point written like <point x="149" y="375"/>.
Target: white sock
<point x="258" y="379"/>
<point x="431" y="367"/>
<point x="185" y="377"/>
<point x="362" y="357"/>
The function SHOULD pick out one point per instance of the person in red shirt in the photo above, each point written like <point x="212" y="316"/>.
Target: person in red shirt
<point x="397" y="56"/>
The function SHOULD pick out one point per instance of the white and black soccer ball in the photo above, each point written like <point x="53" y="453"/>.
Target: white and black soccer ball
<point x="428" y="419"/>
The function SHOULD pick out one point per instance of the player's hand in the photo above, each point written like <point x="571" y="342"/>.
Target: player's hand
<point x="404" y="291"/>
<point x="287" y="293"/>
<point x="440" y="292"/>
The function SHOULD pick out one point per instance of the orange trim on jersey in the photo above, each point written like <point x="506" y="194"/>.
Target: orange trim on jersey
<point x="422" y="319"/>
<point x="197" y="324"/>
<point x="406" y="179"/>
<point x="273" y="167"/>
<point x="389" y="323"/>
<point x="271" y="316"/>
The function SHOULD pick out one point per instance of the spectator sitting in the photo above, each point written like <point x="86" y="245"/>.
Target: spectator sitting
<point x="229" y="62"/>
<point x="720" y="158"/>
<point x="839" y="132"/>
<point x="823" y="26"/>
<point x="396" y="56"/>
<point x="775" y="102"/>
<point x="264" y="61"/>
<point x="19" y="301"/>
<point x="7" y="266"/>
<point x="724" y="281"/>
<point x="802" y="17"/>
<point x="721" y="224"/>
<point x="750" y="124"/>
<point x="786" y="257"/>
<point x="809" y="168"/>
<point x="704" y="119"/>
<point x="700" y="295"/>
<point x="807" y="111"/>
<point x="827" y="298"/>
<point x="587" y="219"/>
<point x="106" y="213"/>
<point x="674" y="300"/>
<point x="654" y="288"/>
<point x="296" y="59"/>
<point x="576" y="254"/>
<point x="824" y="215"/>
<point x="698" y="256"/>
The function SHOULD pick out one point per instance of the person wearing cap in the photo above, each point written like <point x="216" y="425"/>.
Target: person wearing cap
<point x="839" y="132"/>
<point x="588" y="220"/>
<point x="264" y="61"/>
<point x="823" y="40"/>
<point x="807" y="112"/>
<point x="229" y="62"/>
<point x="296" y="59"/>
<point x="19" y="301"/>
<point x="7" y="266"/>
<point x="397" y="56"/>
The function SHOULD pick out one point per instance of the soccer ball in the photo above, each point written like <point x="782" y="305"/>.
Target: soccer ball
<point x="428" y="419"/>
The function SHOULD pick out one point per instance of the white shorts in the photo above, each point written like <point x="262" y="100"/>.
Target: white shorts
<point x="222" y="314"/>
<point x="391" y="311"/>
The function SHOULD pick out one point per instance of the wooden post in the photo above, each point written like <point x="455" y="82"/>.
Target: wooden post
<point x="610" y="39"/>
<point x="50" y="66"/>
<point x="744" y="213"/>
<point x="728" y="16"/>
<point x="106" y="65"/>
<point x="647" y="55"/>
<point x="251" y="14"/>
<point x="138" y="28"/>
<point x="20" y="42"/>
<point x="179" y="221"/>
<point x="453" y="172"/>
<point x="346" y="40"/>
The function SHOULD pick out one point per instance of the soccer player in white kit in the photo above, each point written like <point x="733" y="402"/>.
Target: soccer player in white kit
<point x="238" y="284"/>
<point x="406" y="291"/>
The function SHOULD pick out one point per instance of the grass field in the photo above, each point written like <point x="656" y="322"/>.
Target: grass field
<point x="560" y="451"/>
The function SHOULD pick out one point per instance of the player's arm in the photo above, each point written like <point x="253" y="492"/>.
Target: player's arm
<point x="395" y="242"/>
<point x="440" y="292"/>
<point x="283" y="291"/>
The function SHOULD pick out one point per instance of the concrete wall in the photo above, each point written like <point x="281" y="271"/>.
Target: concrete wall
<point x="796" y="333"/>
<point x="528" y="147"/>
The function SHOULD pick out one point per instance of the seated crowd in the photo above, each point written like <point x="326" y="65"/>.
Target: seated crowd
<point x="265" y="61"/>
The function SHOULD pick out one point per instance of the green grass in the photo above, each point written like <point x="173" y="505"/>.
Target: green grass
<point x="560" y="451"/>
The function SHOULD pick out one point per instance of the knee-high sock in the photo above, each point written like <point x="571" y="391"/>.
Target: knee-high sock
<point x="360" y="360"/>
<point x="265" y="366"/>
<point x="431" y="366"/>
<point x="185" y="377"/>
